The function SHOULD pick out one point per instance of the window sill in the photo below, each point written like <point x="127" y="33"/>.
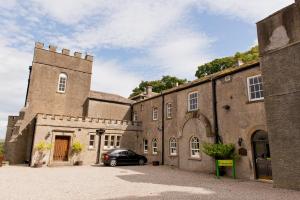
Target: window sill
<point x="168" y="118"/>
<point x="92" y="149"/>
<point x="173" y="156"/>
<point x="60" y="92"/>
<point x="191" y="111"/>
<point x="255" y="101"/>
<point x="196" y="159"/>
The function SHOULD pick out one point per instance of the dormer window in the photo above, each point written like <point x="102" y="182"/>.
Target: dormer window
<point x="62" y="83"/>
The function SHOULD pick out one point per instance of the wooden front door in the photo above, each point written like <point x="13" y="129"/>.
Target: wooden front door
<point x="61" y="148"/>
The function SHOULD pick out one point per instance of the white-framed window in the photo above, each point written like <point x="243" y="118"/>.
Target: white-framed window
<point x="169" y="110"/>
<point x="135" y="117"/>
<point x="112" y="141"/>
<point x="92" y="141"/>
<point x="62" y="83"/>
<point x="173" y="146"/>
<point x="142" y="107"/>
<point x="255" y="88"/>
<point x="155" y="113"/>
<point x="154" y="146"/>
<point x="106" y="141"/>
<point x="193" y="101"/>
<point x="118" y="142"/>
<point x="145" y="146"/>
<point x="195" y="147"/>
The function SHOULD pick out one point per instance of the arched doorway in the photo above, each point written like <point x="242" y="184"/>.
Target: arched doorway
<point x="262" y="157"/>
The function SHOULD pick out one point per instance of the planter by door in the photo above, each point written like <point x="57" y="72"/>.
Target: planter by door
<point x="61" y="148"/>
<point x="262" y="158"/>
<point x="1" y="160"/>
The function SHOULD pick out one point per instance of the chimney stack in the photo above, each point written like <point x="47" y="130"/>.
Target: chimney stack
<point x="148" y="90"/>
<point x="240" y="63"/>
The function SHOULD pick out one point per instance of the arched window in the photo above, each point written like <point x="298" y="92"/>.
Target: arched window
<point x="173" y="146"/>
<point x="195" y="147"/>
<point x="154" y="146"/>
<point x="62" y="83"/>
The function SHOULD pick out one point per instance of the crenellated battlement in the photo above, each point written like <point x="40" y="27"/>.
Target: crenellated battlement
<point x="84" y="121"/>
<point x="64" y="51"/>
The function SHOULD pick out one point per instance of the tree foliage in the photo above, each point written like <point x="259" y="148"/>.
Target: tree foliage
<point x="226" y="62"/>
<point x="166" y="82"/>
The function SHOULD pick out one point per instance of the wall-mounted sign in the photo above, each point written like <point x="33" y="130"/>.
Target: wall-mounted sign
<point x="242" y="151"/>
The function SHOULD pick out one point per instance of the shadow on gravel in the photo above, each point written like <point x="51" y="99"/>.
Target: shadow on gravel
<point x="168" y="195"/>
<point x="170" y="176"/>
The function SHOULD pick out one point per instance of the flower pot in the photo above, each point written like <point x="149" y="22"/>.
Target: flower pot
<point x="1" y="160"/>
<point x="78" y="163"/>
<point x="38" y="165"/>
<point x="155" y="163"/>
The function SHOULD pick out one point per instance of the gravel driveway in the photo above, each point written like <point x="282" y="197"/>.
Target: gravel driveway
<point x="128" y="182"/>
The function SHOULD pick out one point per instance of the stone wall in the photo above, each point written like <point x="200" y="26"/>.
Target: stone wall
<point x="108" y="110"/>
<point x="79" y="129"/>
<point x="241" y="120"/>
<point x="279" y="40"/>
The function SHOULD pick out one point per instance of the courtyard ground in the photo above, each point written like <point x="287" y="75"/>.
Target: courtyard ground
<point x="128" y="182"/>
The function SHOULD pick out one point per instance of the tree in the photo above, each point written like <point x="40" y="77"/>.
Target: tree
<point x="226" y="62"/>
<point x="166" y="82"/>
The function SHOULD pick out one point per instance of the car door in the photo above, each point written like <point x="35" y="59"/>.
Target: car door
<point x="132" y="157"/>
<point x="123" y="158"/>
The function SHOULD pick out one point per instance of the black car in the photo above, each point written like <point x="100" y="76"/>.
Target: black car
<point x="122" y="157"/>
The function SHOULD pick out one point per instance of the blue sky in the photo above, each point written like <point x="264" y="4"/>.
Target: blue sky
<point x="131" y="40"/>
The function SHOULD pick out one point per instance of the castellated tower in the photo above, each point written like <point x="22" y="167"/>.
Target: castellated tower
<point x="59" y="83"/>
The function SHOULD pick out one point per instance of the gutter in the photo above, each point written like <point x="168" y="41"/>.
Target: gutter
<point x="215" y="112"/>
<point x="30" y="69"/>
<point x="163" y="129"/>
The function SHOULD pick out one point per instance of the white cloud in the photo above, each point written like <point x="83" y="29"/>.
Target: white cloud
<point x="109" y="77"/>
<point x="181" y="53"/>
<point x="131" y="24"/>
<point x="249" y="11"/>
<point x="14" y="73"/>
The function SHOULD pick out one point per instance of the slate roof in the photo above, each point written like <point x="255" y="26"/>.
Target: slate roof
<point x="208" y="78"/>
<point x="103" y="96"/>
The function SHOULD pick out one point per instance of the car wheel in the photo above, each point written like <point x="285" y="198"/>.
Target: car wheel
<point x="113" y="163"/>
<point x="141" y="162"/>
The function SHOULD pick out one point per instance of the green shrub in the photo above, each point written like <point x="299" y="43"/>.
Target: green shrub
<point x="43" y="146"/>
<point x="77" y="147"/>
<point x="219" y="151"/>
<point x="1" y="148"/>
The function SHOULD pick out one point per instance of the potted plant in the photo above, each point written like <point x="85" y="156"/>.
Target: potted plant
<point x="77" y="148"/>
<point x="222" y="153"/>
<point x="1" y="154"/>
<point x="42" y="147"/>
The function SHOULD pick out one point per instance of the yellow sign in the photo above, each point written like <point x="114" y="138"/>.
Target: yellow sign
<point x="225" y="163"/>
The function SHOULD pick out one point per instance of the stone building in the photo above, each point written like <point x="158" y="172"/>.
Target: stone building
<point x="168" y="127"/>
<point x="228" y="104"/>
<point x="279" y="42"/>
<point x="60" y="109"/>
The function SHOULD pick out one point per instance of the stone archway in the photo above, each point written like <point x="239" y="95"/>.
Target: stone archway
<point x="261" y="155"/>
<point x="196" y="125"/>
<point x="203" y="120"/>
